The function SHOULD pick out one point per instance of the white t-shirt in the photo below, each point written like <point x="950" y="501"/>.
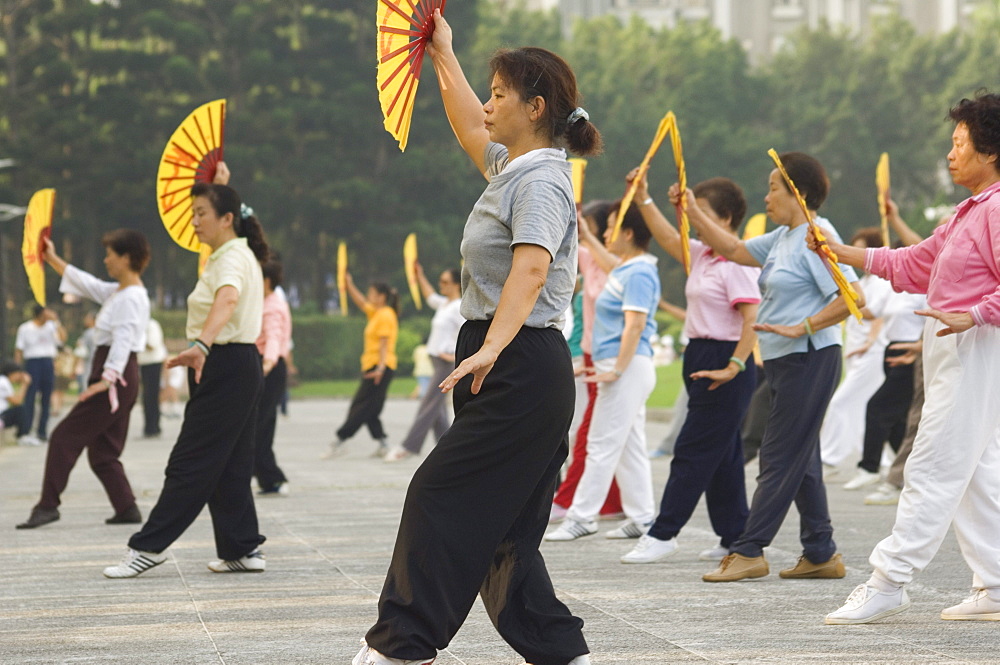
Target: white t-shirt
<point x="35" y="341"/>
<point x="6" y="392"/>
<point x="155" y="351"/>
<point x="445" y="325"/>
<point x="901" y="324"/>
<point x="877" y="291"/>
<point x="121" y="322"/>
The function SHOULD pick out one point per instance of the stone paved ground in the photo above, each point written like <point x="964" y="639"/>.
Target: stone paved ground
<point x="328" y="546"/>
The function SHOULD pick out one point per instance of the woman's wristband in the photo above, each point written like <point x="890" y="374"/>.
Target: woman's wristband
<point x="739" y="363"/>
<point x="808" y="325"/>
<point x="204" y="348"/>
<point x="646" y="201"/>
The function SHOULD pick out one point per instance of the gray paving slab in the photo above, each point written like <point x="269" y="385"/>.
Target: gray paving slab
<point x="329" y="544"/>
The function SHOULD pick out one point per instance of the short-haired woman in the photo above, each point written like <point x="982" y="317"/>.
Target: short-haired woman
<point x="212" y="461"/>
<point x="800" y="344"/>
<point x="477" y="507"/>
<point x="447" y="321"/>
<point x="623" y="370"/>
<point x="99" y="420"/>
<point x="951" y="474"/>
<point x="719" y="376"/>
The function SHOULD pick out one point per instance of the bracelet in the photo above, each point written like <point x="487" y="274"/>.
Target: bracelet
<point x="649" y="199"/>
<point x="809" y="328"/>
<point x="739" y="363"/>
<point x="204" y="348"/>
<point x="617" y="373"/>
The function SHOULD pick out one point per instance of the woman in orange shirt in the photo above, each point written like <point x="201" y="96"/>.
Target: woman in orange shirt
<point x="378" y="364"/>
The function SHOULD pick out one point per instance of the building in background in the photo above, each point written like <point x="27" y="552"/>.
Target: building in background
<point x="761" y="25"/>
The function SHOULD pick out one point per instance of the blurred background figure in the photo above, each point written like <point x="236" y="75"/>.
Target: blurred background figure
<point x="38" y="342"/>
<point x="150" y="368"/>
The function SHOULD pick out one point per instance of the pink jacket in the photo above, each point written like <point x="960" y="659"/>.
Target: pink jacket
<point x="958" y="267"/>
<point x="276" y="329"/>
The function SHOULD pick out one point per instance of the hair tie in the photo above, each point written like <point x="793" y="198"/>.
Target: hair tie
<point x="577" y="115"/>
<point x="245" y="211"/>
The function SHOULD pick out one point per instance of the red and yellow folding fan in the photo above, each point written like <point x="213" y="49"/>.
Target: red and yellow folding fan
<point x="37" y="227"/>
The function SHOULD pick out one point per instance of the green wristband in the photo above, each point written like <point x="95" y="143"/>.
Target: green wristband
<point x="808" y="324"/>
<point x="739" y="363"/>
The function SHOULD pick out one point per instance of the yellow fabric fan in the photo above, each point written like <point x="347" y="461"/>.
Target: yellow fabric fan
<point x="410" y="267"/>
<point x="825" y="253"/>
<point x="756" y="226"/>
<point x="882" y="185"/>
<point x="192" y="155"/>
<point x="661" y="133"/>
<point x="683" y="223"/>
<point x="37" y="227"/>
<point x="404" y="28"/>
<point x="342" y="276"/>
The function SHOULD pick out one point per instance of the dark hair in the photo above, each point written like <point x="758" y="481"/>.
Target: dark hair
<point x="37" y="311"/>
<point x="9" y="368"/>
<point x="535" y="72"/>
<point x="273" y="270"/>
<point x="391" y="295"/>
<point x="598" y="211"/>
<point x="634" y="222"/>
<point x="224" y="200"/>
<point x="126" y="242"/>
<point x="870" y="235"/>
<point x="809" y="177"/>
<point x="982" y="116"/>
<point x="455" y="275"/>
<point x="725" y="197"/>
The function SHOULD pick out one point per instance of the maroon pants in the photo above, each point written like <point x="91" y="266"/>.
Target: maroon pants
<point x="564" y="496"/>
<point x="91" y="425"/>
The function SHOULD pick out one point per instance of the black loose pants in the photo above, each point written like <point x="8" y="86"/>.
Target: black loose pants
<point x="477" y="508"/>
<point x="212" y="461"/>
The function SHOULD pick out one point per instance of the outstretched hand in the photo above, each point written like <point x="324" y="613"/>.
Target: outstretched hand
<point x="192" y="358"/>
<point x="717" y="376"/>
<point x="956" y="322"/>
<point x="478" y="365"/>
<point x="793" y="332"/>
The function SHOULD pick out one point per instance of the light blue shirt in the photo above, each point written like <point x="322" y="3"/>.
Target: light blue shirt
<point x="634" y="286"/>
<point x="794" y="284"/>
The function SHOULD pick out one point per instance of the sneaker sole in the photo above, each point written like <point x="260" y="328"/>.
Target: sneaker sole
<point x="990" y="616"/>
<point x="852" y="622"/>
<point x="752" y="576"/>
<point x="137" y="572"/>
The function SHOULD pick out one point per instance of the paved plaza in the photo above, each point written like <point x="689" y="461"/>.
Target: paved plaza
<point x="328" y="546"/>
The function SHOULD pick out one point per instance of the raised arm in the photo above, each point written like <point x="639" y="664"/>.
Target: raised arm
<point x="902" y="229"/>
<point x="426" y="288"/>
<point x="713" y="235"/>
<point x="605" y="260"/>
<point x="359" y="298"/>
<point x="463" y="107"/>
<point x="668" y="237"/>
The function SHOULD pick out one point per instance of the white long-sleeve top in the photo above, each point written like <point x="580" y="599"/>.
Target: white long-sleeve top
<point x="121" y="323"/>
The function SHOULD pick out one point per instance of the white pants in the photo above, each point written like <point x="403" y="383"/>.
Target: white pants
<point x="843" y="431"/>
<point x="579" y="407"/>
<point x="616" y="445"/>
<point x="953" y="474"/>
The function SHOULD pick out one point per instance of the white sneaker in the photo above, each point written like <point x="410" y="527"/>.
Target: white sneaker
<point x="977" y="607"/>
<point x="251" y="563"/>
<point x="627" y="529"/>
<point x="557" y="513"/>
<point x="650" y="549"/>
<point x="397" y="453"/>
<point x="867" y="604"/>
<point x="717" y="553"/>
<point x="336" y="449"/>
<point x="368" y="656"/>
<point x="579" y="660"/>
<point x="134" y="563"/>
<point x="862" y="479"/>
<point x="571" y="530"/>
<point x="29" y="440"/>
<point x="886" y="494"/>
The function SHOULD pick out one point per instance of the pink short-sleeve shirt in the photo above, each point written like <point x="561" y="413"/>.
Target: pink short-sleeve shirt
<point x="714" y="288"/>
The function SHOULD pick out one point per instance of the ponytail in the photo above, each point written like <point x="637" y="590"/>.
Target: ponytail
<point x="251" y="229"/>
<point x="391" y="295"/>
<point x="583" y="138"/>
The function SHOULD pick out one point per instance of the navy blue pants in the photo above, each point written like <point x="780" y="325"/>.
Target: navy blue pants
<point x="708" y="455"/>
<point x="790" y="468"/>
<point x="43" y="379"/>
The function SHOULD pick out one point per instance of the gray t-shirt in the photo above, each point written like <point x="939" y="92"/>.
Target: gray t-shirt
<point x="531" y="203"/>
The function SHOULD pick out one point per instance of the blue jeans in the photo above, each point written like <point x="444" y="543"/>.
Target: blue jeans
<point x="43" y="378"/>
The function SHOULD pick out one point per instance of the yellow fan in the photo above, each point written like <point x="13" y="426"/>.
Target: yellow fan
<point x="882" y="185"/>
<point x="410" y="267"/>
<point x="37" y="226"/>
<point x="825" y="253"/>
<point x="404" y="28"/>
<point x="342" y="276"/>
<point x="579" y="167"/>
<point x="192" y="155"/>
<point x="756" y="226"/>
<point x="661" y="133"/>
<point x="683" y="223"/>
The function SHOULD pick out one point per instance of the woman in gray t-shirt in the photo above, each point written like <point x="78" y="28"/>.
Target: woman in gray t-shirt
<point x="477" y="507"/>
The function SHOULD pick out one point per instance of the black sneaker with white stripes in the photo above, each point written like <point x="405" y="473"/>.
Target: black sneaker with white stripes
<point x="134" y="563"/>
<point x="251" y="563"/>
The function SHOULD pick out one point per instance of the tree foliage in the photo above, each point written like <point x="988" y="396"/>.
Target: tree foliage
<point x="91" y="90"/>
